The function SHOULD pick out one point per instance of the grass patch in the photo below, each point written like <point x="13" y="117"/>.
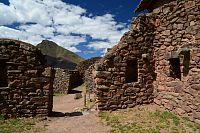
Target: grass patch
<point x="18" y="125"/>
<point x="90" y="103"/>
<point x="144" y="119"/>
<point x="83" y="85"/>
<point x="165" y="117"/>
<point x="59" y="94"/>
<point x="78" y="96"/>
<point x="111" y="119"/>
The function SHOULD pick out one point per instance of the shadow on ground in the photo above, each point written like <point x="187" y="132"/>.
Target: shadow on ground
<point x="67" y="114"/>
<point x="74" y="91"/>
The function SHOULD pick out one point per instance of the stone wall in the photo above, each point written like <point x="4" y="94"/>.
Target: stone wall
<point x="89" y="79"/>
<point x="66" y="80"/>
<point x="164" y="49"/>
<point x="125" y="75"/>
<point x="88" y="75"/>
<point x="61" y="81"/>
<point x="84" y="65"/>
<point x="27" y="86"/>
<point x="177" y="58"/>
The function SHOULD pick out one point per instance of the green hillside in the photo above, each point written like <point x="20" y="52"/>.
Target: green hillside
<point x="58" y="56"/>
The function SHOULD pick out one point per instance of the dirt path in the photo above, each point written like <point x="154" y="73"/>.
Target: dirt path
<point x="68" y="117"/>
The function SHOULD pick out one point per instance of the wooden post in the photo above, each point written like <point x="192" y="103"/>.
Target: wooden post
<point x="84" y="99"/>
<point x="89" y="96"/>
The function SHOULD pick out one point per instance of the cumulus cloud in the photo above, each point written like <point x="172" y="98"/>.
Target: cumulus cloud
<point x="38" y="29"/>
<point x="7" y="15"/>
<point x="66" y="24"/>
<point x="69" y="42"/>
<point x="100" y="45"/>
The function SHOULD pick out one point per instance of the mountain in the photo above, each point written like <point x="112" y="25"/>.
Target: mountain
<point x="58" y="56"/>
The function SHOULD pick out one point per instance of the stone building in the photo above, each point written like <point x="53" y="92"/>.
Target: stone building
<point x="89" y="79"/>
<point x="66" y="80"/>
<point x="85" y="69"/>
<point x="156" y="61"/>
<point x="26" y="85"/>
<point x="84" y="65"/>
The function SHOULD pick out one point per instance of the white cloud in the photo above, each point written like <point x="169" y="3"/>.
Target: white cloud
<point x="100" y="45"/>
<point x="67" y="41"/>
<point x="56" y="21"/>
<point x="74" y="49"/>
<point x="30" y="11"/>
<point x="19" y="35"/>
<point x="37" y="29"/>
<point x="7" y="15"/>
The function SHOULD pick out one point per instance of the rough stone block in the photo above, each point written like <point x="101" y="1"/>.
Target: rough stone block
<point x="102" y="74"/>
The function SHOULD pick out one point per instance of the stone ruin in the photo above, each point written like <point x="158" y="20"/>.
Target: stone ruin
<point x="88" y="78"/>
<point x="85" y="69"/>
<point x="66" y="80"/>
<point x="84" y="65"/>
<point x="26" y="84"/>
<point x="125" y="75"/>
<point x="156" y="61"/>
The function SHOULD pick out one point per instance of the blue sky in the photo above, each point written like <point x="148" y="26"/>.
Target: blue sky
<point x="87" y="27"/>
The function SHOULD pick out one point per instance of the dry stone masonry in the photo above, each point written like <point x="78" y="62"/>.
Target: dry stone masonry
<point x="66" y="80"/>
<point x="89" y="79"/>
<point x="61" y="81"/>
<point x="84" y="65"/>
<point x="125" y="75"/>
<point x="26" y="85"/>
<point x="156" y="61"/>
<point x="86" y="69"/>
<point x="177" y="59"/>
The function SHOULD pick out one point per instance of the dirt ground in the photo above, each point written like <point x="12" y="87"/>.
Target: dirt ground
<point x="68" y="118"/>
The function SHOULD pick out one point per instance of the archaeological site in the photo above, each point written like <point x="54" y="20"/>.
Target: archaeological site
<point x="156" y="62"/>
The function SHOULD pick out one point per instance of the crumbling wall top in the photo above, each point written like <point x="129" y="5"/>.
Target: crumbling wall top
<point x="151" y="4"/>
<point x="21" y="44"/>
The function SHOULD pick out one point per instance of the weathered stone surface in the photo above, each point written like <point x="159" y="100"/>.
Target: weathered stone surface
<point x="90" y="81"/>
<point x="174" y="84"/>
<point x="181" y="91"/>
<point x="112" y="80"/>
<point x="66" y="80"/>
<point x="180" y="111"/>
<point x="102" y="87"/>
<point x="169" y="76"/>
<point x="196" y="87"/>
<point x="29" y="88"/>
<point x="102" y="74"/>
<point x="166" y="32"/>
<point x="84" y="65"/>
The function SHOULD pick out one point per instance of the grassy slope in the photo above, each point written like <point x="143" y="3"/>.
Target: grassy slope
<point x="148" y="120"/>
<point x="52" y="49"/>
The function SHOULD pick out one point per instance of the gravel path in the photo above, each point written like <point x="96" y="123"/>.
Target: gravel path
<point x="68" y="118"/>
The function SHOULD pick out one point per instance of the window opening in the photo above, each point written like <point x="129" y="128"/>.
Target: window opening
<point x="3" y="74"/>
<point x="132" y="71"/>
<point x="175" y="70"/>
